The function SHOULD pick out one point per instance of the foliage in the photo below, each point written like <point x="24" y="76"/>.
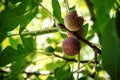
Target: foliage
<point x="32" y="31"/>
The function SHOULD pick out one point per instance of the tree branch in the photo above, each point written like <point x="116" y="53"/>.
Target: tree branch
<point x="72" y="60"/>
<point x="28" y="73"/>
<point x="39" y="32"/>
<point x="38" y="73"/>
<point x="95" y="48"/>
<point x="90" y="7"/>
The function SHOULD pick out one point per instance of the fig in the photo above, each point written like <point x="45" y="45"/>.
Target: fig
<point x="71" y="46"/>
<point x="76" y="34"/>
<point x="71" y="34"/>
<point x="72" y="21"/>
<point x="79" y="33"/>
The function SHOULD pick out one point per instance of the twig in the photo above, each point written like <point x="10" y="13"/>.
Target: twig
<point x="37" y="73"/>
<point x="78" y="65"/>
<point x="67" y="59"/>
<point x="95" y="48"/>
<point x="95" y="65"/>
<point x="39" y="32"/>
<point x="28" y="73"/>
<point x="72" y="60"/>
<point x="90" y="7"/>
<point x="90" y="61"/>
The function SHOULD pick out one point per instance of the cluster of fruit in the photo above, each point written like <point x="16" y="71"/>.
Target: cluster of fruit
<point x="74" y="25"/>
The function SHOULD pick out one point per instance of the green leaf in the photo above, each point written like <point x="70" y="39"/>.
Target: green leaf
<point x="2" y="36"/>
<point x="72" y="8"/>
<point x="51" y="40"/>
<point x="111" y="51"/>
<point x="56" y="10"/>
<point x="50" y="78"/>
<point x="15" y="1"/>
<point x="90" y="36"/>
<point x="26" y="12"/>
<point x="40" y="1"/>
<point x="16" y="68"/>
<point x="28" y="43"/>
<point x="9" y="55"/>
<point x="103" y="6"/>
<point x="49" y="49"/>
<point x="58" y="49"/>
<point x="25" y="19"/>
<point x="53" y="65"/>
<point x="11" y="20"/>
<point x="85" y="29"/>
<point x="43" y="14"/>
<point x="24" y="7"/>
<point x="63" y="73"/>
<point x="117" y="21"/>
<point x="63" y="35"/>
<point x="101" y="22"/>
<point x="83" y="78"/>
<point x="14" y="42"/>
<point x="102" y="9"/>
<point x="0" y="48"/>
<point x="100" y="78"/>
<point x="20" y="15"/>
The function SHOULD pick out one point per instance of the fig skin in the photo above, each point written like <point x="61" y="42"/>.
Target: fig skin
<point x="76" y="34"/>
<point x="79" y="33"/>
<point x="71" y="46"/>
<point x="71" y="34"/>
<point x="72" y="21"/>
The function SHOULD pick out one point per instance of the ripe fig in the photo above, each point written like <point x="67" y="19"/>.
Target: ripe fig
<point x="71" y="34"/>
<point x="71" y="46"/>
<point x="79" y="33"/>
<point x="76" y="34"/>
<point x="72" y="21"/>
